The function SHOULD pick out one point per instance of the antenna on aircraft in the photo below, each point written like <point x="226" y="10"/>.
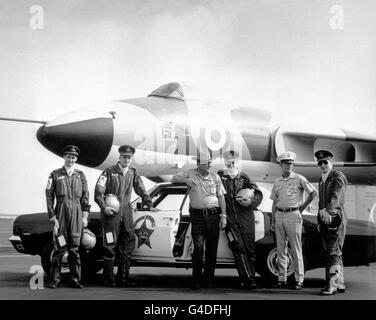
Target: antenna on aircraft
<point x="24" y="120"/>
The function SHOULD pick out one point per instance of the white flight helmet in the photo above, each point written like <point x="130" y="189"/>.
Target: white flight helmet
<point x="244" y="197"/>
<point x="88" y="239"/>
<point x="112" y="201"/>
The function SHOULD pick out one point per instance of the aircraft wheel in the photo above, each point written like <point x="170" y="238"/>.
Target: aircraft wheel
<point x="89" y="266"/>
<point x="46" y="257"/>
<point x="267" y="265"/>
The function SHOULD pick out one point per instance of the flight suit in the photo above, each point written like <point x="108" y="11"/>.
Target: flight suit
<point x="118" y="230"/>
<point x="240" y="228"/>
<point x="332" y="198"/>
<point x="72" y="197"/>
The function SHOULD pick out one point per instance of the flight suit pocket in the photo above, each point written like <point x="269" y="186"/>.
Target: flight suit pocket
<point x="60" y="241"/>
<point x="61" y="187"/>
<point x="78" y="188"/>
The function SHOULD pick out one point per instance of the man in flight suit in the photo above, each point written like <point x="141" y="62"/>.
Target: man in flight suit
<point x="69" y="186"/>
<point x="207" y="209"/>
<point x="240" y="228"/>
<point x="332" y="221"/>
<point x="118" y="229"/>
<point x="287" y="221"/>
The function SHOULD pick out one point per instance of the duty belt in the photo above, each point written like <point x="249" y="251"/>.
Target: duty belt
<point x="287" y="210"/>
<point x="207" y="211"/>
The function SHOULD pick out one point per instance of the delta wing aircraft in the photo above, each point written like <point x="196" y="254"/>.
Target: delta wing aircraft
<point x="169" y="127"/>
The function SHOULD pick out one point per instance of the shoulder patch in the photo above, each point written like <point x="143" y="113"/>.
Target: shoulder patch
<point x="49" y="183"/>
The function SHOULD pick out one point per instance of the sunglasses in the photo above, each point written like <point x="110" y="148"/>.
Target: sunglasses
<point x="319" y="163"/>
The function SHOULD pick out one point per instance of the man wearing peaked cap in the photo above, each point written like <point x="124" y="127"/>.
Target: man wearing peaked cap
<point x="127" y="150"/>
<point x="207" y="213"/>
<point x="240" y="229"/>
<point x="287" y="156"/>
<point x="118" y="227"/>
<point x="332" y="221"/>
<point x="69" y="215"/>
<point x="323" y="154"/>
<point x="203" y="158"/>
<point x="231" y="154"/>
<point x="287" y="221"/>
<point x="71" y="149"/>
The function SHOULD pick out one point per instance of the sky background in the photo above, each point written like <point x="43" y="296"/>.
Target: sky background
<point x="282" y="56"/>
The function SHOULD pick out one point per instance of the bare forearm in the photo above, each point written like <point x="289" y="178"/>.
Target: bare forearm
<point x="273" y="211"/>
<point x="310" y="198"/>
<point x="222" y="204"/>
<point x="178" y="179"/>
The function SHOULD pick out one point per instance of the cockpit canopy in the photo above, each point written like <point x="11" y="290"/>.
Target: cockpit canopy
<point x="173" y="90"/>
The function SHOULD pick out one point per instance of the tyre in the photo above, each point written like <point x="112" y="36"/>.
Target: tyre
<point x="89" y="265"/>
<point x="46" y="257"/>
<point x="267" y="266"/>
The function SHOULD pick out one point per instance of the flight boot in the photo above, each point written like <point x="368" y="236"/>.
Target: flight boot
<point x="108" y="272"/>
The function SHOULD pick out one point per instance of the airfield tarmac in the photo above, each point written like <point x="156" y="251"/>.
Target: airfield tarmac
<point x="167" y="283"/>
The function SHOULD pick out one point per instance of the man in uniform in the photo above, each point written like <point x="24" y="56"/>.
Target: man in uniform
<point x="69" y="186"/>
<point x="287" y="221"/>
<point x="240" y="228"/>
<point x="332" y="221"/>
<point x="207" y="213"/>
<point x="118" y="228"/>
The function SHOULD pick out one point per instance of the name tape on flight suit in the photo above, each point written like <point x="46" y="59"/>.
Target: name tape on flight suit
<point x="109" y="237"/>
<point x="61" y="241"/>
<point x="102" y="181"/>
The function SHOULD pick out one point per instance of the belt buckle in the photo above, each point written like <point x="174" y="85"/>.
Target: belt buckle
<point x="205" y="212"/>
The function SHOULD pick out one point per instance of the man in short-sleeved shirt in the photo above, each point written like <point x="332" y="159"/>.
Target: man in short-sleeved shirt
<point x="287" y="196"/>
<point x="208" y="189"/>
<point x="207" y="214"/>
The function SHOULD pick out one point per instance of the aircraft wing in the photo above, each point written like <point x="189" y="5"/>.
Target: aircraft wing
<point x="354" y="153"/>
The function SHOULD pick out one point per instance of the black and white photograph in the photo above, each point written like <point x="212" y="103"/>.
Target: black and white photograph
<point x="192" y="151"/>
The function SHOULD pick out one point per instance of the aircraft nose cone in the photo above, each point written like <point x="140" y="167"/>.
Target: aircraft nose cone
<point x="94" y="138"/>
